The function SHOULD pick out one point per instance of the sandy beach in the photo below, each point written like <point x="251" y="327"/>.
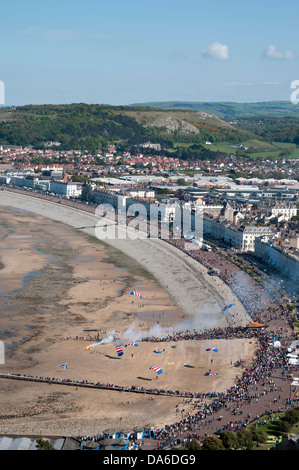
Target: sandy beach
<point x="62" y="290"/>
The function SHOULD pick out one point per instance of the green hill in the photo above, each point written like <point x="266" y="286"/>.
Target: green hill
<point x="183" y="132"/>
<point x="92" y="127"/>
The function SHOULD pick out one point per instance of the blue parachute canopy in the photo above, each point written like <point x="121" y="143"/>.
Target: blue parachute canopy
<point x="119" y="350"/>
<point x="157" y="369"/>
<point x="136" y="293"/>
<point x="227" y="306"/>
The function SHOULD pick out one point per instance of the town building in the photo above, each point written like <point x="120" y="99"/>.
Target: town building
<point x="287" y="262"/>
<point x="66" y="189"/>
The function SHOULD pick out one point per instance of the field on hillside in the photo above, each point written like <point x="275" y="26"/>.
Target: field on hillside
<point x="264" y="150"/>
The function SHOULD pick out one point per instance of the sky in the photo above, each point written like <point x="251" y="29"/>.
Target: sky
<point x="121" y="52"/>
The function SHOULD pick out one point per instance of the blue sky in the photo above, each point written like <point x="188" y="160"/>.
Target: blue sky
<point x="120" y="52"/>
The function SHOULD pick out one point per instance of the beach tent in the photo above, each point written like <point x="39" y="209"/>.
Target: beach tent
<point x="22" y="443"/>
<point x="5" y="443"/>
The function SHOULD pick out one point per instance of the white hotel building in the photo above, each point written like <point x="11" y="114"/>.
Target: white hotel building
<point x="242" y="238"/>
<point x="66" y="189"/>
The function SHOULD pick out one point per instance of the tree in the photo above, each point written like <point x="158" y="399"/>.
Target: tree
<point x="229" y="439"/>
<point x="43" y="444"/>
<point x="193" y="445"/>
<point x="283" y="426"/>
<point x="182" y="182"/>
<point x="259" y="436"/>
<point x="245" y="439"/>
<point x="212" y="443"/>
<point x="292" y="416"/>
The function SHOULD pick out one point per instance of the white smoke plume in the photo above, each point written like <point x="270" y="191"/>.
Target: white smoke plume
<point x="207" y="318"/>
<point x="200" y="321"/>
<point x="111" y="336"/>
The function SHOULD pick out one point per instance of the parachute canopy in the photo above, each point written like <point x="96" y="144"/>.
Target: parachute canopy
<point x="64" y="366"/>
<point x="212" y="349"/>
<point x="136" y="293"/>
<point x="157" y="351"/>
<point x="157" y="369"/>
<point x="227" y="306"/>
<point x="119" y="350"/>
<point x="131" y="344"/>
<point x="209" y="373"/>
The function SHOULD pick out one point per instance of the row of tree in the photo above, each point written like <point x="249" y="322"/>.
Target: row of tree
<point x="246" y="439"/>
<point x="272" y="129"/>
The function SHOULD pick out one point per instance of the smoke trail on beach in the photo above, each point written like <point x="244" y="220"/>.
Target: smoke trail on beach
<point x="111" y="336"/>
<point x="200" y="321"/>
<point x="207" y="318"/>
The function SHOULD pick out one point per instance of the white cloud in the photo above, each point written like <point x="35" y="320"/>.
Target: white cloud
<point x="271" y="52"/>
<point x="216" y="51"/>
<point x="235" y="84"/>
<point x="270" y="83"/>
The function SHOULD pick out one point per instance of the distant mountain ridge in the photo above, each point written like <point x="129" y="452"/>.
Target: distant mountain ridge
<point x="229" y="110"/>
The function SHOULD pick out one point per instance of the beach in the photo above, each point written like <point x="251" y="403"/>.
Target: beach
<point x="185" y="280"/>
<point x="62" y="291"/>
